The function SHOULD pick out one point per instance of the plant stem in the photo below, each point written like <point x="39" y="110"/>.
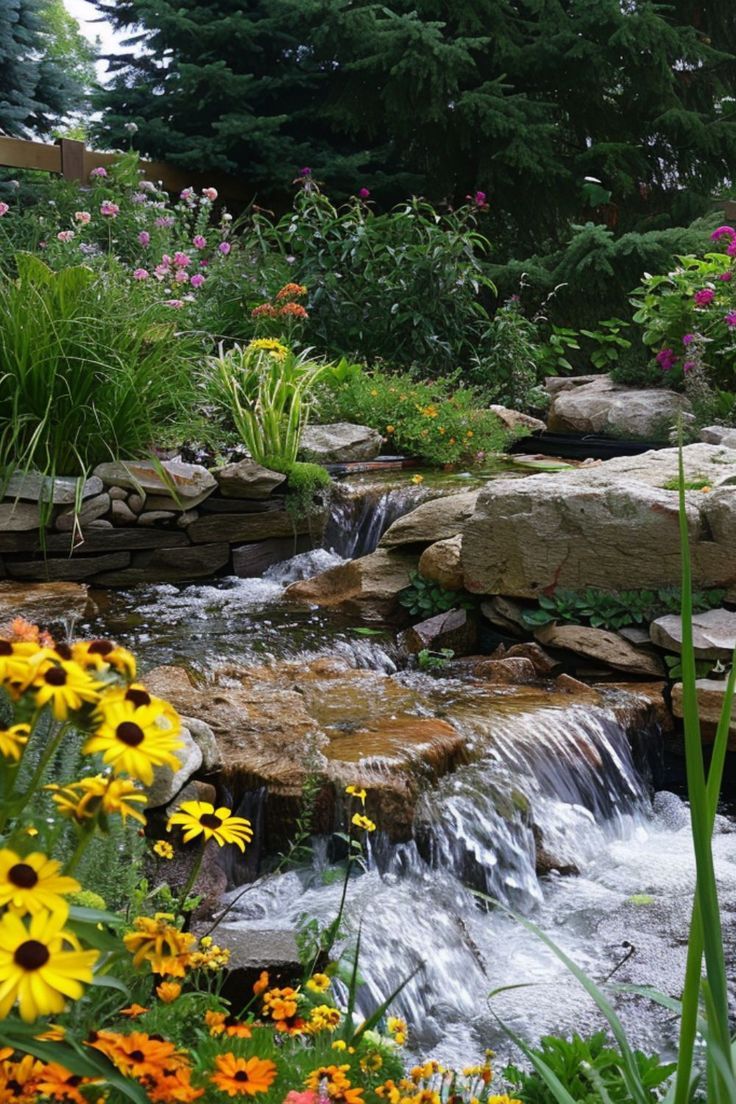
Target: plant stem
<point x="197" y="866"/>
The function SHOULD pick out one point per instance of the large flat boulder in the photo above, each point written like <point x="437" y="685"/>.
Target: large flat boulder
<point x="441" y="563"/>
<point x="61" y="490"/>
<point x="612" y="525"/>
<point x="367" y="587"/>
<point x="44" y="603"/>
<point x="598" y="405"/>
<point x="436" y="520"/>
<point x="340" y="443"/>
<point x="602" y="646"/>
<point x="246" y="479"/>
<point x="710" y="695"/>
<point x="190" y="483"/>
<point x="714" y="633"/>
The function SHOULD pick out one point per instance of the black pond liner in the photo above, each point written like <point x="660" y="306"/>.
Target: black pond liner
<point x="582" y="446"/>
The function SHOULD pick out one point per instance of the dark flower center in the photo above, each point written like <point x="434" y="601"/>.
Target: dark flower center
<point x="64" y="651"/>
<point x="130" y="733"/>
<point x="100" y="647"/>
<point x="15" y="1087"/>
<point x="137" y="697"/>
<point x="136" y="1055"/>
<point x="22" y="875"/>
<point x="55" y="676"/>
<point x="31" y="955"/>
<point x="241" y="1075"/>
<point x="6" y="648"/>
<point x="209" y="820"/>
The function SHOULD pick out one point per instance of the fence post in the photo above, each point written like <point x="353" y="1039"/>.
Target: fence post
<point x="72" y="159"/>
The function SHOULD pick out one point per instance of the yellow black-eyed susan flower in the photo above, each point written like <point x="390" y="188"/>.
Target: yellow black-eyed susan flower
<point x="201" y="818"/>
<point x="41" y="965"/>
<point x="134" y="739"/>
<point x="33" y="883"/>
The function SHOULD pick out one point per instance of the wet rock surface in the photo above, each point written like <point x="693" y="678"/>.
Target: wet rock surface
<point x="367" y="587"/>
<point x="595" y="404"/>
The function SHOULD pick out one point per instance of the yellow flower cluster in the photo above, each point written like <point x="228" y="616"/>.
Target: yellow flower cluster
<point x="270" y="345"/>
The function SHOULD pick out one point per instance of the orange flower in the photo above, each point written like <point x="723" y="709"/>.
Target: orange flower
<point x="174" y="1085"/>
<point x="262" y="984"/>
<point x="168" y="991"/>
<point x="293" y="310"/>
<point x="138" y="1054"/>
<point x="157" y="941"/>
<point x="243" y="1075"/>
<point x="17" y="1080"/>
<point x="291" y="291"/>
<point x="133" y="1010"/>
<point x="61" y="1084"/>
<point x="264" y="310"/>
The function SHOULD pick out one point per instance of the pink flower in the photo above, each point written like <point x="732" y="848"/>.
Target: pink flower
<point x="83" y="216"/>
<point x="4" y="208"/>
<point x="223" y="247"/>
<point x="166" y="259"/>
<point x="176" y="304"/>
<point x="181" y="260"/>
<point x="688" y="366"/>
<point x="704" y="297"/>
<point x="181" y="276"/>
<point x="187" y="194"/>
<point x="164" y="221"/>
<point x="100" y="171"/>
<point x="199" y="242"/>
<point x="731" y="248"/>
<point x="140" y="274"/>
<point x="110" y="210"/>
<point x="730" y="318"/>
<point x="210" y="194"/>
<point x="726" y="276"/>
<point x="480" y="199"/>
<point x="144" y="237"/>
<point x="688" y="339"/>
<point x="306" y="1097"/>
<point x="666" y="359"/>
<point x="305" y="171"/>
<point x="161" y="271"/>
<point x="197" y="280"/>
<point x="364" y="193"/>
<point x="65" y="235"/>
<point x="723" y="232"/>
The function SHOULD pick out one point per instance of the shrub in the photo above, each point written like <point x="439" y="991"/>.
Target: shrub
<point x="435" y="421"/>
<point x="90" y="369"/>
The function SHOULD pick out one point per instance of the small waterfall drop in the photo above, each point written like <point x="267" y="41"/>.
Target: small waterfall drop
<point x="362" y="511"/>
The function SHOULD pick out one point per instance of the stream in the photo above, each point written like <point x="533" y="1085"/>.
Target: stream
<point x="541" y="768"/>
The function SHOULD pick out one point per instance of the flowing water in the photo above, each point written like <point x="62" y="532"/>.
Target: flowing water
<point x="542" y="777"/>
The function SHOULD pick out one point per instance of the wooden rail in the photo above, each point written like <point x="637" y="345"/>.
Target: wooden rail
<point x="73" y="161"/>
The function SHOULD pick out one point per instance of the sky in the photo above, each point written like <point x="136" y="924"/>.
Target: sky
<point x="91" y="26"/>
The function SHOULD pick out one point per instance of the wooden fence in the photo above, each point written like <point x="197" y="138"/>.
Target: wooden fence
<point x="73" y="161"/>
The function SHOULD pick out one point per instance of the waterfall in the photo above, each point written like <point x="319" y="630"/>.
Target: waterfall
<point x="361" y="511"/>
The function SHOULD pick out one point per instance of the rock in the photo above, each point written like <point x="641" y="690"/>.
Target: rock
<point x="555" y="384"/>
<point x="454" y="630"/>
<point x="714" y="633"/>
<point x="61" y="491"/>
<point x="120" y="513"/>
<point x="117" y="494"/>
<point x="614" y="526"/>
<point x="166" y="502"/>
<point x="546" y="862"/>
<point x="44" y="603"/>
<point x="91" y="510"/>
<point x="566" y="684"/>
<point x="671" y="811"/>
<point x="253" y="527"/>
<point x="714" y="435"/>
<point x="441" y="563"/>
<point x="710" y="694"/>
<point x="196" y="790"/>
<point x="729" y="439"/>
<point x="216" y="505"/>
<point x="367" y="587"/>
<point x="136" y="502"/>
<point x="602" y="406"/>
<point x="211" y="881"/>
<point x="628" y="710"/>
<point x="514" y="672"/>
<point x="185" y="520"/>
<point x="99" y="523"/>
<point x="634" y="634"/>
<point x="206" y="741"/>
<point x="133" y="538"/>
<point x="435" y="520"/>
<point x="155" y="517"/>
<point x="165" y="565"/>
<point x="600" y="644"/>
<point x="72" y="567"/>
<point x="274" y="950"/>
<point x="515" y="420"/>
<point x="340" y="443"/>
<point x="190" y="483"/>
<point x="246" y="479"/>
<point x="505" y="614"/>
<point x="543" y="663"/>
<point x="167" y="783"/>
<point x="16" y="516"/>
<point x="251" y="560"/>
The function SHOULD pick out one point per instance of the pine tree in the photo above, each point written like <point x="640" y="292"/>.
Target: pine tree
<point x="36" y="92"/>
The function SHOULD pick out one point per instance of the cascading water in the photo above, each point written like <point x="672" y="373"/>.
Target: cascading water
<point x="362" y="511"/>
<point x="559" y="782"/>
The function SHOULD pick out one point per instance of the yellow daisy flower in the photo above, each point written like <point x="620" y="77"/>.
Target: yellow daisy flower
<point x="13" y="740"/>
<point x="157" y="941"/>
<point x="103" y="654"/>
<point x="135" y="739"/>
<point x="14" y="660"/>
<point x="358" y="792"/>
<point x="363" y="822"/>
<point x="163" y="849"/>
<point x="99" y="794"/>
<point x="33" y="883"/>
<point x="41" y="966"/>
<point x="201" y="818"/>
<point x="63" y="685"/>
<point x="318" y="983"/>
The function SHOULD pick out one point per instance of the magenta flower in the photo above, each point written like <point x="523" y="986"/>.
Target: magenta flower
<point x="161" y="271"/>
<point x="723" y="232"/>
<point x="181" y="260"/>
<point x="688" y="339"/>
<point x="109" y="209"/>
<point x="730" y="318"/>
<point x="704" y="297"/>
<point x="176" y="304"/>
<point x="725" y="276"/>
<point x="164" y="221"/>
<point x="688" y="366"/>
<point x="144" y="237"/>
<point x="100" y="171"/>
<point x="140" y="274"/>
<point x="210" y="194"/>
<point x="138" y="197"/>
<point x="4" y="208"/>
<point x="224" y="248"/>
<point x="731" y="248"/>
<point x="187" y="194"/>
<point x="305" y="171"/>
<point x="480" y="199"/>
<point x="197" y="280"/>
<point x="199" y="242"/>
<point x="65" y="235"/>
<point x="181" y="276"/>
<point x="364" y="193"/>
<point x="666" y="359"/>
